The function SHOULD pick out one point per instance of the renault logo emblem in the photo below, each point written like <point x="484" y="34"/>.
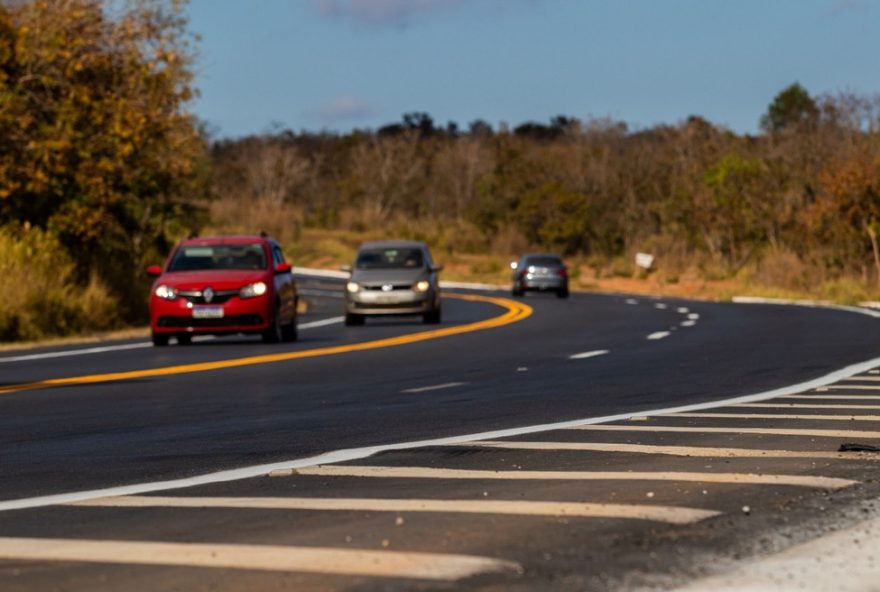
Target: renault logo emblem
<point x="208" y="294"/>
<point x="387" y="287"/>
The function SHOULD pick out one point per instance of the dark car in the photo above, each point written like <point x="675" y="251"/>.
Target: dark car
<point x="393" y="278"/>
<point x="221" y="285"/>
<point x="540" y="272"/>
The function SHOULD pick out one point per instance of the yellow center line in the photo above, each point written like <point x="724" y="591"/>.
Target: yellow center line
<point x="515" y="312"/>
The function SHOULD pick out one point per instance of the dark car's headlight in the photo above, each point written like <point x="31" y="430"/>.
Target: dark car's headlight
<point x="253" y="290"/>
<point x="421" y="286"/>
<point x="166" y="292"/>
<point x="353" y="287"/>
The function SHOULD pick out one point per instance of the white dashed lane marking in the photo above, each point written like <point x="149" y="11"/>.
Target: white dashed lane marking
<point x="719" y="430"/>
<point x="433" y="387"/>
<point x="657" y="335"/>
<point x="434" y="473"/>
<point x="853" y="387"/>
<point x="669" y="514"/>
<point x="694" y="451"/>
<point x="589" y="354"/>
<point x="320" y="560"/>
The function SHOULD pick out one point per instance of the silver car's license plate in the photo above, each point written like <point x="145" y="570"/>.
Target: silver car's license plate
<point x="207" y="312"/>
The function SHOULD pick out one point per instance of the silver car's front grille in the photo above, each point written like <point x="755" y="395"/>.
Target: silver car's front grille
<point x="387" y="287"/>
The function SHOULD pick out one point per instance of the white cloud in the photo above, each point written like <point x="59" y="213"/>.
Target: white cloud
<point x="342" y="108"/>
<point x="380" y="12"/>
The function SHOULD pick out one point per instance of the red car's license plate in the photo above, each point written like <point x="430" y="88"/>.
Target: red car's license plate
<point x="207" y="312"/>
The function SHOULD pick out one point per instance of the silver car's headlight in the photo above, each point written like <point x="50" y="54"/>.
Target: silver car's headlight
<point x="353" y="287"/>
<point x="253" y="290"/>
<point x="166" y="292"/>
<point x="421" y="286"/>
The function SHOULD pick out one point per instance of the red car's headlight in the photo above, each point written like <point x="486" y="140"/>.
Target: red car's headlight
<point x="166" y="292"/>
<point x="253" y="290"/>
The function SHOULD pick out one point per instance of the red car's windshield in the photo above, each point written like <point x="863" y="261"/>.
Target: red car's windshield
<point x="220" y="256"/>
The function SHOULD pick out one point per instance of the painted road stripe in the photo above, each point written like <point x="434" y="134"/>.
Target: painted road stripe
<point x="862" y="379"/>
<point x="694" y="316"/>
<point x="688" y="323"/>
<point x="854" y="387"/>
<point x="320" y="323"/>
<point x="695" y="451"/>
<point x="353" y="454"/>
<point x="804" y="406"/>
<point x="716" y="430"/>
<point x="434" y="473"/>
<point x="515" y="312"/>
<point x="76" y="352"/>
<point x="834" y="397"/>
<point x="321" y="560"/>
<point x="682" y="310"/>
<point x="658" y="335"/>
<point x="589" y="354"/>
<point x="780" y="416"/>
<point x="669" y="514"/>
<point x="138" y="345"/>
<point x="660" y="306"/>
<point x="435" y="387"/>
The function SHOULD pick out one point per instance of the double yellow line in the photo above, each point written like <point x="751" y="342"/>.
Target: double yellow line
<point x="514" y="312"/>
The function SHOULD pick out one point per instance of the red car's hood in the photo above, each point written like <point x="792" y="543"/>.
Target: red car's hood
<point x="228" y="279"/>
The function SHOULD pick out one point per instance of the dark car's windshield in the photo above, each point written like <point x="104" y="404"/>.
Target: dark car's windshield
<point x="544" y="261"/>
<point x="389" y="259"/>
<point x="220" y="256"/>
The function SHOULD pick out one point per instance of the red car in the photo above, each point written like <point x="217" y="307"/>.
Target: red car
<point x="220" y="285"/>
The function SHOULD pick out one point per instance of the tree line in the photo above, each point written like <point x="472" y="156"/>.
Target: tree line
<point x="805" y="187"/>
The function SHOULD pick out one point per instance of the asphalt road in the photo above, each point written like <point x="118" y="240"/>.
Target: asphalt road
<point x="585" y="357"/>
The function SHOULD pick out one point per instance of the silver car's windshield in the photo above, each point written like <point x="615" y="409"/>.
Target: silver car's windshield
<point x="390" y="259"/>
<point x="544" y="261"/>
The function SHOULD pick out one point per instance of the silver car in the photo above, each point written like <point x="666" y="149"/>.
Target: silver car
<point x="393" y="278"/>
<point x="544" y="272"/>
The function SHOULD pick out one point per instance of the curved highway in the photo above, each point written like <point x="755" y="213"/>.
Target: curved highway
<point x="83" y="418"/>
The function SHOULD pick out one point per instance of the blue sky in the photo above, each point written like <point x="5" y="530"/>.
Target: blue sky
<point x="343" y="64"/>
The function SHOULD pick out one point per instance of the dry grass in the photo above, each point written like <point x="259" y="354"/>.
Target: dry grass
<point x="39" y="298"/>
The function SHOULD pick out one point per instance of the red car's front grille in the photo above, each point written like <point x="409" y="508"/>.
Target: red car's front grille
<point x="171" y="322"/>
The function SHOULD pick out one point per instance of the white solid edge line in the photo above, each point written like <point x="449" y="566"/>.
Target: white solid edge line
<point x="805" y="303"/>
<point x="669" y="514"/>
<point x="589" y="354"/>
<point x="351" y="454"/>
<point x="658" y="335"/>
<point x="76" y="352"/>
<point x="433" y="387"/>
<point x="322" y="560"/>
<point x="138" y="345"/>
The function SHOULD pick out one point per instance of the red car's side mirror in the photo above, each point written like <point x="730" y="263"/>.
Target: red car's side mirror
<point x="154" y="271"/>
<point x="283" y="268"/>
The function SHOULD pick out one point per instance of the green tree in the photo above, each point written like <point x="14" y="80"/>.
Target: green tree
<point x="98" y="144"/>
<point x="792" y="107"/>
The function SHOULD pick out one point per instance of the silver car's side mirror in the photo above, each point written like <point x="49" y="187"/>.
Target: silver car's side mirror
<point x="436" y="268"/>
